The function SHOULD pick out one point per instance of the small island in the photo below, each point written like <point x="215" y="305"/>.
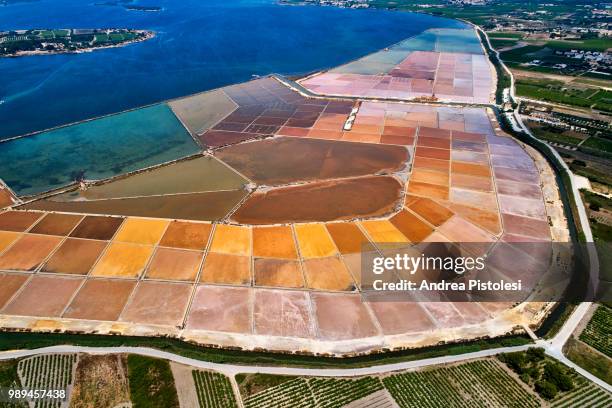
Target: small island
<point x="57" y="41"/>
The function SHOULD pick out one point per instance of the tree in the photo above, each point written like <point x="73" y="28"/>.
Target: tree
<point x="546" y="389"/>
<point x="558" y="376"/>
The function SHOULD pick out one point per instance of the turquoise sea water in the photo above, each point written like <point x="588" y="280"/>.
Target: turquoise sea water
<point x="200" y="45"/>
<point x="97" y="149"/>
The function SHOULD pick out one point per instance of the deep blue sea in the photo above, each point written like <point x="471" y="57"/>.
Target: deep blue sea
<point x="200" y="45"/>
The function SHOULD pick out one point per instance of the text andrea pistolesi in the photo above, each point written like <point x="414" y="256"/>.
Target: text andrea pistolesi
<point x="401" y="265"/>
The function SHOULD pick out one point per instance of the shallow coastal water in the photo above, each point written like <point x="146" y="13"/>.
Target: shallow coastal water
<point x="199" y="46"/>
<point x="95" y="149"/>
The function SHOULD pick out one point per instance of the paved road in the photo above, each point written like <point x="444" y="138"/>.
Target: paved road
<point x="232" y="369"/>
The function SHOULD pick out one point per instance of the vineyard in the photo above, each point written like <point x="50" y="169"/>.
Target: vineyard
<point x="214" y="390"/>
<point x="48" y="372"/>
<point x="314" y="393"/>
<point x="598" y="333"/>
<point x="585" y="395"/>
<point x="475" y="384"/>
<point x="151" y="383"/>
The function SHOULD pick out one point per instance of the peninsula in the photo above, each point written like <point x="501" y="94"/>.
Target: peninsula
<point x="56" y="41"/>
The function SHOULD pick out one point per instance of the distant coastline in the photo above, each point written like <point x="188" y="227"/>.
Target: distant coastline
<point x="129" y="6"/>
<point x="23" y="43"/>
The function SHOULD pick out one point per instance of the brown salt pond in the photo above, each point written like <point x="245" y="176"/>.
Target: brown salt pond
<point x="197" y="206"/>
<point x="9" y="285"/>
<point x="56" y="224"/>
<point x="7" y="238"/>
<point x="158" y="303"/>
<point x="100" y="299"/>
<point x="328" y="274"/>
<point x="278" y="273"/>
<point x="75" y="256"/>
<point x="226" y="269"/>
<point x="324" y="201"/>
<point x="18" y="221"/>
<point x="285" y="159"/>
<point x="174" y="264"/>
<point x="6" y="198"/>
<point x="348" y="237"/>
<point x="93" y="227"/>
<point x="274" y="242"/>
<point x="186" y="235"/>
<point x="45" y="296"/>
<point x="28" y="252"/>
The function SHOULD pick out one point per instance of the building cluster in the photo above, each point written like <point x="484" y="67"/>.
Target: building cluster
<point x="354" y="4"/>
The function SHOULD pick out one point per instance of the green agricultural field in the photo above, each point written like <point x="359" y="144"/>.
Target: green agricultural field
<point x="592" y="174"/>
<point x="116" y="37"/>
<point x="250" y="384"/>
<point x="48" y="371"/>
<point x="502" y="43"/>
<point x="214" y="390"/>
<point x="151" y="383"/>
<point x="61" y="33"/>
<point x="598" y="333"/>
<point x="101" y="37"/>
<point x="593" y="44"/>
<point x="559" y="92"/>
<point x="598" y="143"/>
<point x="482" y="383"/>
<point x="585" y="394"/>
<point x="546" y="134"/>
<point x="589" y="359"/>
<point x="516" y="36"/>
<point x="522" y="54"/>
<point x="9" y="379"/>
<point x="314" y="392"/>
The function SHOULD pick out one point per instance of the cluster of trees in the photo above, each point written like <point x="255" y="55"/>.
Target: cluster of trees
<point x="546" y="376"/>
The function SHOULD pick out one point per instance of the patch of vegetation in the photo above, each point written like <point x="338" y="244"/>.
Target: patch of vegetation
<point x="214" y="390"/>
<point x="588" y="359"/>
<point x="594" y="199"/>
<point x="502" y="43"/>
<point x="598" y="143"/>
<point x="547" y="377"/>
<point x="602" y="233"/>
<point x="520" y="55"/>
<point x="9" y="379"/>
<point x="559" y="92"/>
<point x="250" y="384"/>
<point x="591" y="44"/>
<point x="151" y="382"/>
<point x="23" y="340"/>
<point x="555" y="135"/>
<point x="497" y="34"/>
<point x="482" y="383"/>
<point x="598" y="332"/>
<point x="100" y="381"/>
<point x="591" y="173"/>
